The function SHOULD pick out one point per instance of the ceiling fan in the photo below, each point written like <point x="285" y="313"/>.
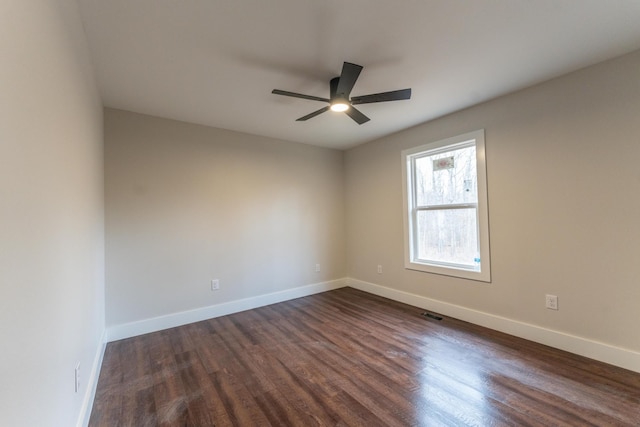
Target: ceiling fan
<point x="339" y="91"/>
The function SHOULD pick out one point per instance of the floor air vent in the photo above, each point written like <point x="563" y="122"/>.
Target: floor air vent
<point x="431" y="316"/>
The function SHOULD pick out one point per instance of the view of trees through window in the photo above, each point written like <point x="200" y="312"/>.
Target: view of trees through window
<point x="446" y="201"/>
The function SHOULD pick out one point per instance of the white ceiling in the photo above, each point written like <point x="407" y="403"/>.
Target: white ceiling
<point x="215" y="62"/>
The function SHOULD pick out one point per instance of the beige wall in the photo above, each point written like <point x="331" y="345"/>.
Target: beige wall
<point x="564" y="205"/>
<point x="51" y="214"/>
<point x="186" y="204"/>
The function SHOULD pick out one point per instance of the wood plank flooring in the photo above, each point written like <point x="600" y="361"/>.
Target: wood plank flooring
<point x="348" y="358"/>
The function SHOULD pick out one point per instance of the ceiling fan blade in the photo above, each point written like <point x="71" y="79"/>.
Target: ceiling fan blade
<point x="395" y="95"/>
<point x="356" y="115"/>
<point x="299" y="95"/>
<point x="312" y="115"/>
<point x="348" y="77"/>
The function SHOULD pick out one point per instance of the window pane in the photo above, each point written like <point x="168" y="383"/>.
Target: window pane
<point x="447" y="235"/>
<point x="448" y="177"/>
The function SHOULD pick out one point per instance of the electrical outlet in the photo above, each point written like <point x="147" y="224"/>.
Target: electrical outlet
<point x="77" y="378"/>
<point x="317" y="268"/>
<point x="551" y="302"/>
<point x="215" y="284"/>
<point x="379" y="269"/>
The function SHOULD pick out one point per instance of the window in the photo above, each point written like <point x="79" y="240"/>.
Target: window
<point x="445" y="202"/>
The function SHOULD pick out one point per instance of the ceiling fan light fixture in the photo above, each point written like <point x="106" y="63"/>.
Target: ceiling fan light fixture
<point x="340" y="95"/>
<point x="339" y="105"/>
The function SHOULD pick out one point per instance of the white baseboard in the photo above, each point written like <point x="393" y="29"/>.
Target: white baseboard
<point x="607" y="353"/>
<point x="92" y="384"/>
<point x="612" y="355"/>
<point x="172" y="320"/>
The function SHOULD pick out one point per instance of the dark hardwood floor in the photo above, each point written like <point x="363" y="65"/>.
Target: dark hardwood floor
<point x="348" y="358"/>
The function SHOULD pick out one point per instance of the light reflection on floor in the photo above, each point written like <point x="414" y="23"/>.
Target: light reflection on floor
<point x="451" y="384"/>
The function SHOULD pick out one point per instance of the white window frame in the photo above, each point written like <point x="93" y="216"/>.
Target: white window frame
<point x="483" y="271"/>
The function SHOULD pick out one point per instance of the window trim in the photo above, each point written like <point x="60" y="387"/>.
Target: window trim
<point x="482" y="212"/>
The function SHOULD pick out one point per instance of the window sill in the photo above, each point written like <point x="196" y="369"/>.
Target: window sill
<point x="480" y="276"/>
